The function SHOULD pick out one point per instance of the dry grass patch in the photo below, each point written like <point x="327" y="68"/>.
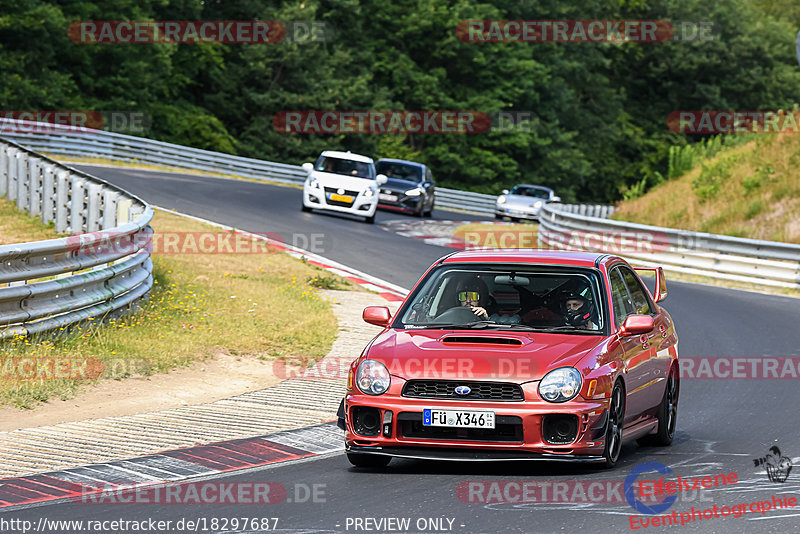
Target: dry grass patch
<point x="262" y="305"/>
<point x="748" y="191"/>
<point x="17" y="226"/>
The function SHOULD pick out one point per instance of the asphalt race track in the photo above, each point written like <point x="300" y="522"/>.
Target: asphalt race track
<point x="723" y="425"/>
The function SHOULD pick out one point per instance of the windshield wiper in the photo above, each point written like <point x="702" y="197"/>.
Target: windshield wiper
<point x="476" y="325"/>
<point x="563" y="328"/>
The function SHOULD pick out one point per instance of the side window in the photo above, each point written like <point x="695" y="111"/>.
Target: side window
<point x="619" y="295"/>
<point x="428" y="175"/>
<point x="641" y="305"/>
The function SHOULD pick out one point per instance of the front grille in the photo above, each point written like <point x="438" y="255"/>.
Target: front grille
<point x="507" y="428"/>
<point x="446" y="389"/>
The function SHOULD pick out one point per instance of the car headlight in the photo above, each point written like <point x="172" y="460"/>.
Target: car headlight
<point x="501" y="199"/>
<point x="560" y="385"/>
<point x="313" y="183"/>
<point x="369" y="192"/>
<point x="537" y="204"/>
<point x="414" y="192"/>
<point x="372" y="377"/>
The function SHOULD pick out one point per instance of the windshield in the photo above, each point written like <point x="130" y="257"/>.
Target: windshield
<point x="402" y="171"/>
<point x="507" y="297"/>
<point x="348" y="167"/>
<point x="535" y="192"/>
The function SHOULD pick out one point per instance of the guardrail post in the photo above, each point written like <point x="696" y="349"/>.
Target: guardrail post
<point x="23" y="181"/>
<point x="110" y="199"/>
<point x="124" y="211"/>
<point x="35" y="187"/>
<point x="94" y="195"/>
<point x="3" y="170"/>
<point x="13" y="154"/>
<point x="76" y="206"/>
<point x="48" y="194"/>
<point x="62" y="199"/>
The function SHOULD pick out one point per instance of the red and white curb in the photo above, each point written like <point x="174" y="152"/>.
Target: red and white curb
<point x="387" y="290"/>
<point x="173" y="466"/>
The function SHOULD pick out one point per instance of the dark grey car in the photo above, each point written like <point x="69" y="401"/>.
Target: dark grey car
<point x="409" y="187"/>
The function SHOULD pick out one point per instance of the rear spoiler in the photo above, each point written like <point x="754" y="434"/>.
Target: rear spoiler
<point x="661" y="282"/>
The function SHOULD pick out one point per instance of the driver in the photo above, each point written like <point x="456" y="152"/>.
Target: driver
<point x="474" y="294"/>
<point x="577" y="310"/>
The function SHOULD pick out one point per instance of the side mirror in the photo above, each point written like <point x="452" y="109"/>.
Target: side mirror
<point x="504" y="192"/>
<point x="635" y="325"/>
<point x="555" y="199"/>
<point x="381" y="179"/>
<point x="380" y="316"/>
<point x="308" y="167"/>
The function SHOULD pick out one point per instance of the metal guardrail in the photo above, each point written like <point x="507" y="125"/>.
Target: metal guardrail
<point x="73" y="141"/>
<point x="766" y="263"/>
<point x="57" y="283"/>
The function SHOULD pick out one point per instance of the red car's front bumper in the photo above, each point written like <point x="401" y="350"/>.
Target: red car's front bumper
<point x="519" y="433"/>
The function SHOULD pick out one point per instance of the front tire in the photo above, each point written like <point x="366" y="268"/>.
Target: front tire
<point x="368" y="460"/>
<point x="616" y="419"/>
<point x="370" y="220"/>
<point x="430" y="210"/>
<point x="304" y="208"/>
<point x="667" y="415"/>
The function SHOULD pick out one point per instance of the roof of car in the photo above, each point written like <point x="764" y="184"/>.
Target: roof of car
<point x="553" y="257"/>
<point x="347" y="155"/>
<point x="392" y="160"/>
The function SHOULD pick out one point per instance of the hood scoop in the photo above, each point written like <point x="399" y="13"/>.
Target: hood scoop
<point x="482" y="340"/>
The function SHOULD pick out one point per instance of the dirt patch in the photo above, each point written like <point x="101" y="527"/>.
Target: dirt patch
<point x="214" y="379"/>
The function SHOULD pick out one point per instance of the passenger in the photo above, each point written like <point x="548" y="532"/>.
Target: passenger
<point x="577" y="311"/>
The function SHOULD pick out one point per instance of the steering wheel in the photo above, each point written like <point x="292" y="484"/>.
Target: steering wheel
<point x="459" y="314"/>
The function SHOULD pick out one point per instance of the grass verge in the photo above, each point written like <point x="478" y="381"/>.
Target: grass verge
<point x="262" y="305"/>
<point x="750" y="191"/>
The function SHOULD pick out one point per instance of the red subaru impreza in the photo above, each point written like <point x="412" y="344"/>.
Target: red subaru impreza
<point x="516" y="355"/>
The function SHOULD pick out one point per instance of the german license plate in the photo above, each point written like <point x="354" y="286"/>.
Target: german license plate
<point x="341" y="198"/>
<point x="457" y="418"/>
<point x="388" y="198"/>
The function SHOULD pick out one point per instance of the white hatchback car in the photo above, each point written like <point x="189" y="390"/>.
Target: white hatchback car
<point x="343" y="182"/>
